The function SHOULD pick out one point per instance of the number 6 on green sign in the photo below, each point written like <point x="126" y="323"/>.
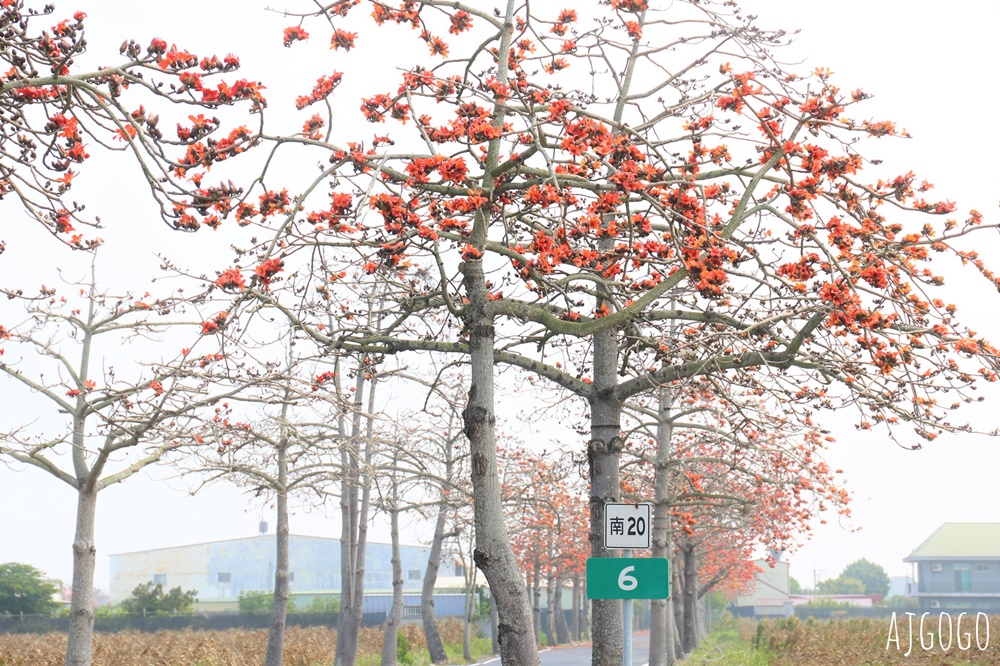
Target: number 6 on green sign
<point x="626" y="581"/>
<point x="628" y="578"/>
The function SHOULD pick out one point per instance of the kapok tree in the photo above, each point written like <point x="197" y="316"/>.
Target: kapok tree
<point x="105" y="419"/>
<point x="728" y="477"/>
<point x="533" y="195"/>
<point x="56" y="113"/>
<point x="546" y="510"/>
<point x="282" y="450"/>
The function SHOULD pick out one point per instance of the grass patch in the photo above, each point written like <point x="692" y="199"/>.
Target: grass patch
<point x="731" y="644"/>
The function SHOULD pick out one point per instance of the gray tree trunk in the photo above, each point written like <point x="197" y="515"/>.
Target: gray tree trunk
<point x="678" y="648"/>
<point x="604" y="452"/>
<point x="493" y="554"/>
<point x="279" y="612"/>
<point x="346" y="641"/>
<point x="577" y="610"/>
<point x="604" y="449"/>
<point x="690" y="594"/>
<point x="550" y="617"/>
<point x="434" y="644"/>
<point x="494" y="625"/>
<point x="470" y="611"/>
<point x="536" y="600"/>
<point x="395" y="617"/>
<point x="661" y="640"/>
<point x="354" y="500"/>
<point x="562" y="629"/>
<point x="677" y="585"/>
<point x="79" y="646"/>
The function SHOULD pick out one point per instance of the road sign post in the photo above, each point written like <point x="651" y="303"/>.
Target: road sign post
<point x="627" y="621"/>
<point x="627" y="526"/>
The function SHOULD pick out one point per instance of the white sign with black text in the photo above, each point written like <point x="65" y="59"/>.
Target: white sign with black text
<point x="627" y="525"/>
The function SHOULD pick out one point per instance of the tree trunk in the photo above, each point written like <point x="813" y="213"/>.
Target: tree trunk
<point x="690" y="599"/>
<point x="279" y="613"/>
<point x="346" y="641"/>
<point x="678" y="648"/>
<point x="79" y="645"/>
<point x="584" y="613"/>
<point x="494" y="626"/>
<point x="679" y="600"/>
<point x="351" y="540"/>
<point x="389" y="652"/>
<point x="470" y="611"/>
<point x="536" y="600"/>
<point x="434" y="645"/>
<point x="603" y="456"/>
<point x="550" y="616"/>
<point x="575" y="631"/>
<point x="562" y="629"/>
<point x="493" y="554"/>
<point x="661" y="649"/>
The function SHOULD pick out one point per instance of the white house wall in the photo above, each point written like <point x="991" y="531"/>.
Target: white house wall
<point x="221" y="570"/>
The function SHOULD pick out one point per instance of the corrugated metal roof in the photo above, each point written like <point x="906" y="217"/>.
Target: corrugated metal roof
<point x="960" y="540"/>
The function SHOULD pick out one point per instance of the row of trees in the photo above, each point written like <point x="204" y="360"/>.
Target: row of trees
<point x="24" y="590"/>
<point x="653" y="223"/>
<point x="859" y="577"/>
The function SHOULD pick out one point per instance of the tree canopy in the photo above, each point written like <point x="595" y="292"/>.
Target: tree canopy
<point x="873" y="576"/>
<point x="150" y="598"/>
<point x="24" y="589"/>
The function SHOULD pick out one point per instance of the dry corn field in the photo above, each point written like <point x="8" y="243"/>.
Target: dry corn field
<point x="857" y="641"/>
<point x="312" y="646"/>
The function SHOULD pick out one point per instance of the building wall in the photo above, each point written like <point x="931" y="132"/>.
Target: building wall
<point x="771" y="584"/>
<point x="983" y="576"/>
<point x="221" y="570"/>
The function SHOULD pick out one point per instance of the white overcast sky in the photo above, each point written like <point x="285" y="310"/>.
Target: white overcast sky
<point x="932" y="69"/>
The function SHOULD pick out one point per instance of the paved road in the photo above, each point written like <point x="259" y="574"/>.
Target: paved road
<point x="580" y="656"/>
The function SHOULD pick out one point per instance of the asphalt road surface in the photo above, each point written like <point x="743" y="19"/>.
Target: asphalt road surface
<point x="580" y="655"/>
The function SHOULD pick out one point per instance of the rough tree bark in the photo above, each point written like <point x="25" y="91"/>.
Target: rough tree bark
<point x="677" y="585"/>
<point x="690" y="595"/>
<point x="604" y="453"/>
<point x="604" y="449"/>
<point x="392" y="622"/>
<point x="536" y="600"/>
<point x="494" y="624"/>
<point x="550" y="616"/>
<point x="561" y="628"/>
<point x="81" y="619"/>
<point x="470" y="612"/>
<point x="661" y="640"/>
<point x="576" y="607"/>
<point x="354" y="517"/>
<point x="434" y="644"/>
<point x="279" y="612"/>
<point x="493" y="554"/>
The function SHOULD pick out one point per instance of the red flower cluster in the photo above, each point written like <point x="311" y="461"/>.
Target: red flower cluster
<point x="231" y="278"/>
<point x="324" y="86"/>
<point x="268" y="269"/>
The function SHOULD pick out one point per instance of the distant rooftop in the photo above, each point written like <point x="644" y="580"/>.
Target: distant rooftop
<point x="960" y="541"/>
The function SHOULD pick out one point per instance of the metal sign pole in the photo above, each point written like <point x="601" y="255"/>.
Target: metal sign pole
<point x="627" y="623"/>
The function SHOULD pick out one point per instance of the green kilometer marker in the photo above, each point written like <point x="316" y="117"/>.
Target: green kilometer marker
<point x="628" y="578"/>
